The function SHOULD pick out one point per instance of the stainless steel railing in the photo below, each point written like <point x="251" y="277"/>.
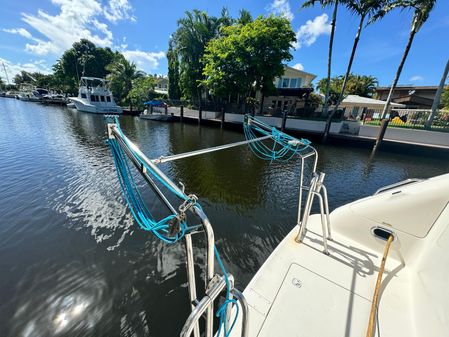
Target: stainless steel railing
<point x="214" y="284"/>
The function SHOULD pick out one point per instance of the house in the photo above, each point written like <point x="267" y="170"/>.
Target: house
<point x="355" y="105"/>
<point x="415" y="97"/>
<point x="293" y="89"/>
<point x="161" y="84"/>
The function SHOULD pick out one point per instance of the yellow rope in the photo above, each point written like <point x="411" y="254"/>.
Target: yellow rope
<point x="372" y="316"/>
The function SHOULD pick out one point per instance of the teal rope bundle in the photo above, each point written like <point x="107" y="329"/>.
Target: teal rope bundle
<point x="160" y="228"/>
<point x="136" y="203"/>
<point x="284" y="147"/>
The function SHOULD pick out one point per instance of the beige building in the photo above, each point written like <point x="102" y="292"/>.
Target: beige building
<point x="161" y="86"/>
<point x="293" y="89"/>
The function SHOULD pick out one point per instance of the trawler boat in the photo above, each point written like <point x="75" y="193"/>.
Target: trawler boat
<point x="378" y="266"/>
<point x="95" y="97"/>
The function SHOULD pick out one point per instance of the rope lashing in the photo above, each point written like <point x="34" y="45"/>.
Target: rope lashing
<point x="374" y="304"/>
<point x="170" y="229"/>
<point x="284" y="146"/>
<point x="222" y="310"/>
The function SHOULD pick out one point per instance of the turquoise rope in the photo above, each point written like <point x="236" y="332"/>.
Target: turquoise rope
<point x="221" y="312"/>
<point x="159" y="228"/>
<point x="284" y="146"/>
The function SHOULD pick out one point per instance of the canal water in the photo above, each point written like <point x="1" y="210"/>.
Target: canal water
<point x="73" y="262"/>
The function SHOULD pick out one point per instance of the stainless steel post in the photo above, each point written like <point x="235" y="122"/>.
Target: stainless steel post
<point x="210" y="260"/>
<point x="191" y="279"/>
<point x="326" y="209"/>
<point x="245" y="311"/>
<point x="201" y="307"/>
<point x="323" y="223"/>
<point x="307" y="208"/>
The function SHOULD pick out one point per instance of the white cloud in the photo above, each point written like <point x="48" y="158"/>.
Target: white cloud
<point x="21" y="31"/>
<point x="33" y="66"/>
<point x="298" y="66"/>
<point x="416" y="78"/>
<point x="147" y="61"/>
<point x="76" y="20"/>
<point x="118" y="10"/>
<point x="282" y="8"/>
<point x="308" y="33"/>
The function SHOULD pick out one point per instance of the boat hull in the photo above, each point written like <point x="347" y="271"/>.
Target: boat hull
<point x="96" y="109"/>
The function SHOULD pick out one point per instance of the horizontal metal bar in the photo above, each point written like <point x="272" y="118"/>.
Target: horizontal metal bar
<point x="205" y="303"/>
<point x="164" y="159"/>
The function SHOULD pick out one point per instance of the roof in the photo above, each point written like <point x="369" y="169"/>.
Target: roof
<point x="409" y="87"/>
<point x="300" y="71"/>
<point x="355" y="100"/>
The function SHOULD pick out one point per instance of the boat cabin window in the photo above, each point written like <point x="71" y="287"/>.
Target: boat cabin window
<point x="108" y="98"/>
<point x="97" y="98"/>
<point x="83" y="96"/>
<point x="102" y="98"/>
<point x="92" y="98"/>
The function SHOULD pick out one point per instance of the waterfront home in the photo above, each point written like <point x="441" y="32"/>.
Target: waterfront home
<point x="293" y="90"/>
<point x="416" y="97"/>
<point x="354" y="106"/>
<point x="161" y="85"/>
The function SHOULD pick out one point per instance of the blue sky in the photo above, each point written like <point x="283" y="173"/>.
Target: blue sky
<point x="33" y="35"/>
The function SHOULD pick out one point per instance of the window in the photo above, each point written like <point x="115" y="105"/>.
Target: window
<point x="97" y="98"/>
<point x="102" y="98"/>
<point x="293" y="82"/>
<point x="280" y="83"/>
<point x="83" y="96"/>
<point x="285" y="82"/>
<point x="299" y="84"/>
<point x="92" y="98"/>
<point x="108" y="98"/>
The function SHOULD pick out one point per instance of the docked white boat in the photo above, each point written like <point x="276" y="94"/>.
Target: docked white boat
<point x="95" y="97"/>
<point x="28" y="92"/>
<point x="378" y="266"/>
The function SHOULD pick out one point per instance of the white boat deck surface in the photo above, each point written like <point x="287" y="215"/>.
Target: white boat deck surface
<point x="311" y="294"/>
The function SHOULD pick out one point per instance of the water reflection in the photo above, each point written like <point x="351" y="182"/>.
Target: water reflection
<point x="73" y="261"/>
<point x="76" y="303"/>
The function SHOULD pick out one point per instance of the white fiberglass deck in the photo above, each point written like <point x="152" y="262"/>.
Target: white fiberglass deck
<point x="300" y="291"/>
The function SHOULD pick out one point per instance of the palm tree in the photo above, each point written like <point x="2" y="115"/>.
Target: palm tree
<point x="121" y="76"/>
<point x="364" y="9"/>
<point x="436" y="101"/>
<point x="422" y="9"/>
<point x="194" y="31"/>
<point x="325" y="3"/>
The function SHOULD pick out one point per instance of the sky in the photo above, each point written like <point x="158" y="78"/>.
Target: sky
<point x="34" y="34"/>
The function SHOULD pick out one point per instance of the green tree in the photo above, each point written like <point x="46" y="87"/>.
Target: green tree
<point x="245" y="17"/>
<point x="327" y="92"/>
<point x="248" y="57"/>
<point x="142" y="87"/>
<point x="194" y="31"/>
<point x="361" y="85"/>
<point x="445" y="98"/>
<point x="174" y="92"/>
<point x="121" y="76"/>
<point x="83" y="59"/>
<point x="421" y="11"/>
